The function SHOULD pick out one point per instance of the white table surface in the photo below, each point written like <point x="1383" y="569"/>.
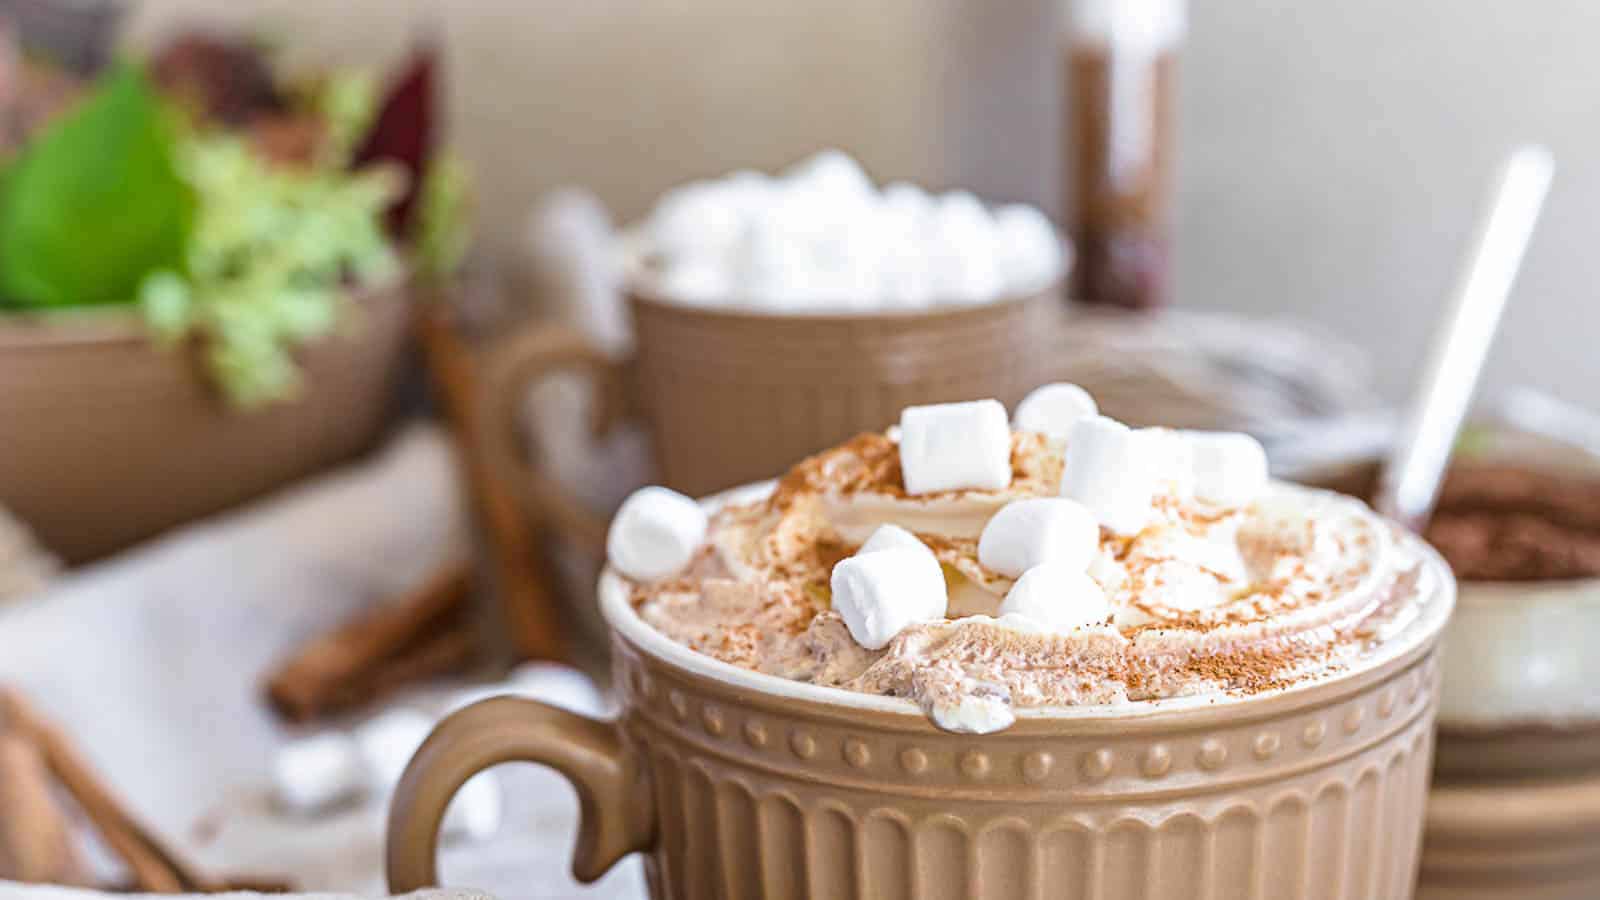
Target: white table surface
<point x="152" y="662"/>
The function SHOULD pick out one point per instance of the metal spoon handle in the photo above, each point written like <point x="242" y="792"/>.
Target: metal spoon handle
<point x="1411" y="475"/>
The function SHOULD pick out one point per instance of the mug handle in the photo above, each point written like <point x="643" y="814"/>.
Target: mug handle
<point x="510" y="368"/>
<point x="616" y="807"/>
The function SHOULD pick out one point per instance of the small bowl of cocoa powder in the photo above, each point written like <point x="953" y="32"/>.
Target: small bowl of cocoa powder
<point x="1518" y="519"/>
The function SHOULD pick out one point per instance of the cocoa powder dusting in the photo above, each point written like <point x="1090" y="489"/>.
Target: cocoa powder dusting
<point x="776" y="615"/>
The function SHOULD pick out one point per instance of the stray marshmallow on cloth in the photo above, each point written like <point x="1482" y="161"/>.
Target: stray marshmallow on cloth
<point x="1051" y="409"/>
<point x="1110" y="468"/>
<point x="1027" y="533"/>
<point x="655" y="534"/>
<point x="1058" y="597"/>
<point x="315" y="773"/>
<point x="547" y="682"/>
<point x="879" y="594"/>
<point x="1230" y="468"/>
<point x="955" y="446"/>
<point x="388" y="741"/>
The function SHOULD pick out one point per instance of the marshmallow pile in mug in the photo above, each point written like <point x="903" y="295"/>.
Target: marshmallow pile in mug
<point x="1111" y="478"/>
<point x="821" y="237"/>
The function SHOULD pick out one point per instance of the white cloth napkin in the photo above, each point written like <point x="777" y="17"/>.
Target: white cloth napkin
<point x="10" y="890"/>
<point x="152" y="662"/>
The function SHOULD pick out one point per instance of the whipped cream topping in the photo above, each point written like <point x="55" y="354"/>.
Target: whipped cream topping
<point x="1296" y="585"/>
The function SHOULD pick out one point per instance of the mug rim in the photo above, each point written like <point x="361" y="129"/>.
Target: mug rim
<point x="1413" y="640"/>
<point x="641" y="293"/>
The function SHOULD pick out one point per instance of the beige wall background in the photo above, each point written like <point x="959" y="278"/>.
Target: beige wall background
<point x="1332" y="158"/>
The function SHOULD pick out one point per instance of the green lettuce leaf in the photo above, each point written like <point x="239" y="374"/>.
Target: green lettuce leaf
<point x="94" y="204"/>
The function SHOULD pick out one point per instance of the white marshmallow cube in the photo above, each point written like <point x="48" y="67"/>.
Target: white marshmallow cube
<point x="387" y="742"/>
<point x="961" y="250"/>
<point x="1052" y="408"/>
<point x="559" y="685"/>
<point x="832" y="173"/>
<point x="474" y="813"/>
<point x="980" y="708"/>
<point x="951" y="446"/>
<point x="312" y="774"/>
<point x="1058" y="597"/>
<point x="701" y="219"/>
<point x="879" y="594"/>
<point x="1171" y="453"/>
<point x="889" y="536"/>
<point x="1230" y="468"/>
<point x="1026" y="533"/>
<point x="1110" y="469"/>
<point x="1029" y="249"/>
<point x="655" y="533"/>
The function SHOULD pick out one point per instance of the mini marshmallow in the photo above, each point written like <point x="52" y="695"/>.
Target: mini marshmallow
<point x="314" y="773"/>
<point x="1027" y="533"/>
<point x="387" y="742"/>
<point x="1171" y="453"/>
<point x="906" y="200"/>
<point x="822" y="236"/>
<point x="1230" y="468"/>
<point x="1110" y="470"/>
<point x="700" y="219"/>
<point x="831" y="172"/>
<point x="1052" y="408"/>
<point x="559" y="685"/>
<point x="879" y="594"/>
<point x="980" y="708"/>
<point x="655" y="533"/>
<point x="961" y="256"/>
<point x="951" y="446"/>
<point x="699" y="281"/>
<point x="475" y="812"/>
<point x="1030" y="254"/>
<point x="889" y="536"/>
<point x="1059" y="597"/>
<point x="1108" y="572"/>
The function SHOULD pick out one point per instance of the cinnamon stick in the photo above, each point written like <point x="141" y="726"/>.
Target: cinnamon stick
<point x="35" y="838"/>
<point x="338" y="664"/>
<point x="155" y="869"/>
<point x="520" y="580"/>
<point x="447" y="651"/>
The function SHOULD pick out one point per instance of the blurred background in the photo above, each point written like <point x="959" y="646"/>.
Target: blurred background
<point x="333" y="333"/>
<point x="1330" y="157"/>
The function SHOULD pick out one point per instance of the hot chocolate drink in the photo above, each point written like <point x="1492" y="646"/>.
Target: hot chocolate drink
<point x="1154" y="673"/>
<point x="1211" y="581"/>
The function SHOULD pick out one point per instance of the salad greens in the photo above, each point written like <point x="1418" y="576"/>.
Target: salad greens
<point x="95" y="202"/>
<point x="266" y="265"/>
<point x="248" y="247"/>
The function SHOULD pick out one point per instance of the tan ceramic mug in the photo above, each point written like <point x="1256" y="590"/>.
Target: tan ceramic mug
<point x="731" y="396"/>
<point x="740" y="785"/>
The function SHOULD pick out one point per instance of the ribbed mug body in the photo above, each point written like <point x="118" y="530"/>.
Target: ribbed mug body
<point x="1312" y="793"/>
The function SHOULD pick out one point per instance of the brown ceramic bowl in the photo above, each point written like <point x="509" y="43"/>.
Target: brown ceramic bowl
<point x="106" y="439"/>
<point x="741" y="785"/>
<point x="1529" y="838"/>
